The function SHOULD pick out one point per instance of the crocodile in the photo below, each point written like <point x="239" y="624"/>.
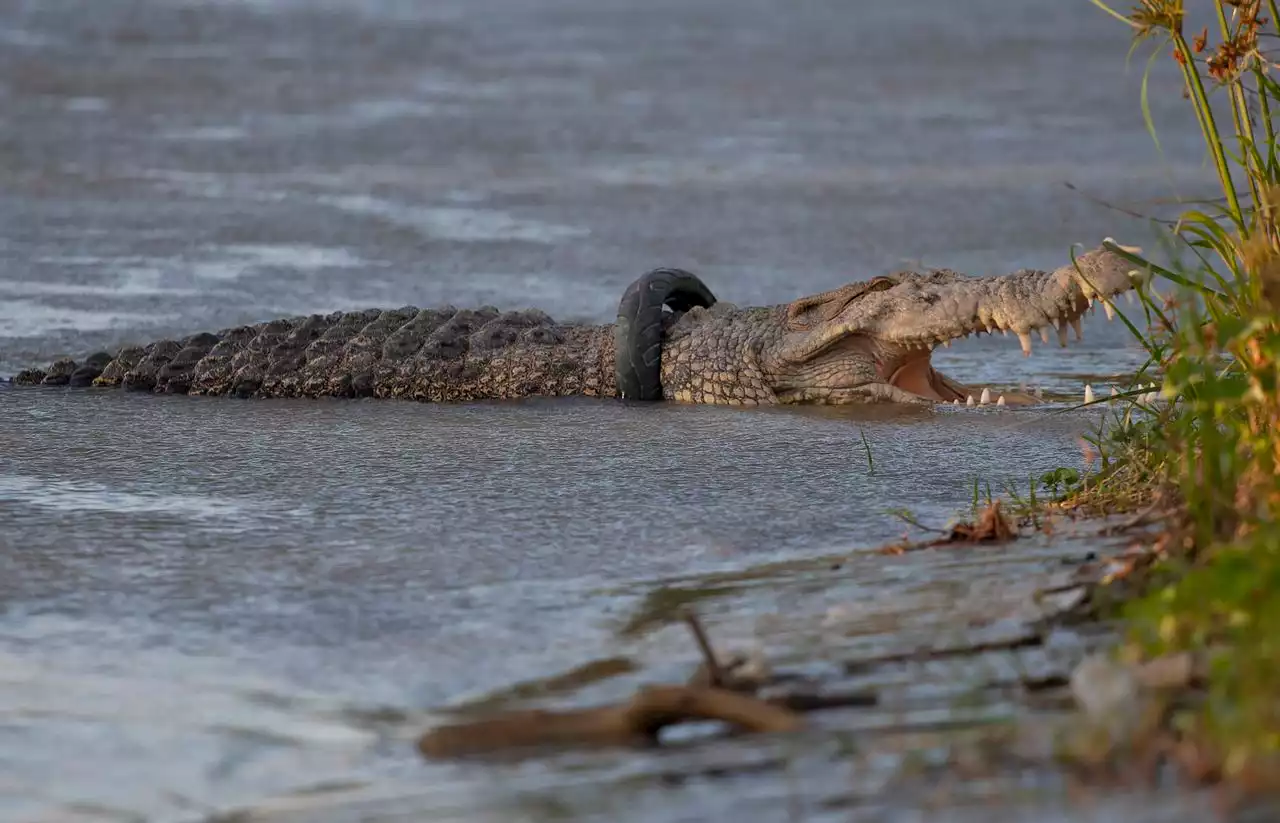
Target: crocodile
<point x="867" y="341"/>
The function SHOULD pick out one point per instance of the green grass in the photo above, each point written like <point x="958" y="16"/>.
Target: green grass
<point x="1209" y="449"/>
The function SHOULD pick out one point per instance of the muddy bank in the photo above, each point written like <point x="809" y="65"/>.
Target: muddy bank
<point x="942" y="701"/>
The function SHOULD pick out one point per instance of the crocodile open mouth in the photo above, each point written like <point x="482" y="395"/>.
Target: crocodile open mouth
<point x="874" y="340"/>
<point x="911" y="369"/>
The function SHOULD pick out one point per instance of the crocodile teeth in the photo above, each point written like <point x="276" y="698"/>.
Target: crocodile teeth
<point x="1111" y="312"/>
<point x="1129" y="298"/>
<point x="985" y="398"/>
<point x="1025" y="339"/>
<point x="946" y="344"/>
<point x="1044" y="335"/>
<point x="969" y="402"/>
<point x="1062" y="334"/>
<point x="1088" y="393"/>
<point x="1075" y="324"/>
<point x="1000" y="402"/>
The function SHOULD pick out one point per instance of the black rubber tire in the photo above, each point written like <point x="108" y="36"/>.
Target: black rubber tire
<point x="637" y="335"/>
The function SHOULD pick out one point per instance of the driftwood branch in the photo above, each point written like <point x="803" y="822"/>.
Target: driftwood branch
<point x="636" y="722"/>
<point x="714" y="693"/>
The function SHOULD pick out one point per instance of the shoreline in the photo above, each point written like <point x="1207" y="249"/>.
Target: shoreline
<point x="1073" y="720"/>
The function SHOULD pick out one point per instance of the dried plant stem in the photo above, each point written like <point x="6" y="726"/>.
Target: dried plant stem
<point x="1240" y="113"/>
<point x="1208" y="126"/>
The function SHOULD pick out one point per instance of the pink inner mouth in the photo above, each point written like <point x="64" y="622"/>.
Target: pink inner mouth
<point x="917" y="376"/>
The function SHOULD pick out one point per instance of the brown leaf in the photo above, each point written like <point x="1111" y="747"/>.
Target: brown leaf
<point x="992" y="527"/>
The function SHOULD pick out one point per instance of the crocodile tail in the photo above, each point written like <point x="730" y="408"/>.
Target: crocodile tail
<point x="637" y="335"/>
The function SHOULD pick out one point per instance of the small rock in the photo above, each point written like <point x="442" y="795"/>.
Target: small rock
<point x="750" y="667"/>
<point x="1057" y="602"/>
<point x="1172" y="671"/>
<point x="1104" y="689"/>
<point x="745" y="672"/>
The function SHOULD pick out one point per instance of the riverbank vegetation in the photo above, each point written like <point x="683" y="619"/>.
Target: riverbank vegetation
<point x="1205" y="453"/>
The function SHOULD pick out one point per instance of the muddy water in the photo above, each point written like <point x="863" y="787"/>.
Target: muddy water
<point x="212" y="605"/>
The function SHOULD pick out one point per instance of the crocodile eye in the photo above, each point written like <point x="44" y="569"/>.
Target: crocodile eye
<point x="822" y="308"/>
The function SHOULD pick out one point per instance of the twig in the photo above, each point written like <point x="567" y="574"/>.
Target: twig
<point x="1141" y="518"/>
<point x="715" y="674"/>
<point x="1120" y="209"/>
<point x="910" y="519"/>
